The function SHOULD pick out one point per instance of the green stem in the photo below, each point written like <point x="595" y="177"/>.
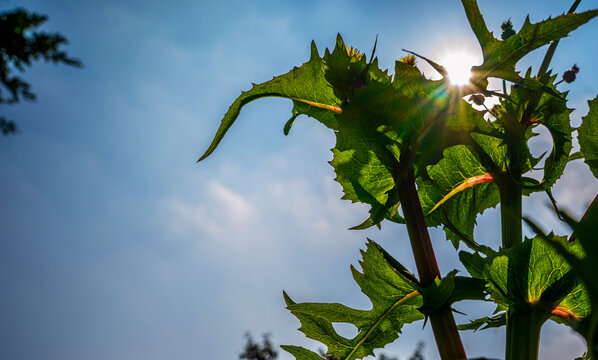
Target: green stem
<point x="553" y="45"/>
<point x="533" y="102"/>
<point x="523" y="332"/>
<point x="510" y="190"/>
<point x="442" y="320"/>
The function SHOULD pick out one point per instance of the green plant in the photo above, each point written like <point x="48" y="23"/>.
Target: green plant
<point x="404" y="140"/>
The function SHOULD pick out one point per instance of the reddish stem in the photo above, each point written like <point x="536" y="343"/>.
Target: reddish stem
<point x="443" y="323"/>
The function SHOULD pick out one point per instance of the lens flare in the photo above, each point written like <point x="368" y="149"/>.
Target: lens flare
<point x="458" y="66"/>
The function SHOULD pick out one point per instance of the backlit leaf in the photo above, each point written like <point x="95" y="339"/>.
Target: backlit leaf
<point x="532" y="274"/>
<point x="487" y="322"/>
<point x="500" y="57"/>
<point x="395" y="301"/>
<point x="301" y="353"/>
<point x="459" y="188"/>
<point x="305" y="85"/>
<point x="584" y="265"/>
<point x="588" y="136"/>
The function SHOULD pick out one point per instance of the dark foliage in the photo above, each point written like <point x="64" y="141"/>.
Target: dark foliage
<point x="507" y="30"/>
<point x="255" y="351"/>
<point x="266" y="351"/>
<point x="417" y="354"/>
<point x="21" y="45"/>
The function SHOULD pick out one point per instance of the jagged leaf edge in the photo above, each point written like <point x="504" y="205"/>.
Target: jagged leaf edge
<point x="306" y="315"/>
<point x="265" y="90"/>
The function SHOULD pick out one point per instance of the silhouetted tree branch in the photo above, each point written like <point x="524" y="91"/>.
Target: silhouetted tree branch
<point x="255" y="351"/>
<point x="20" y="46"/>
<point x="266" y="351"/>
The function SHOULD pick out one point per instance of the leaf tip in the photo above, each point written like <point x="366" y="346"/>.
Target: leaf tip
<point x="205" y="155"/>
<point x="340" y="43"/>
<point x="314" y="51"/>
<point x="287" y="299"/>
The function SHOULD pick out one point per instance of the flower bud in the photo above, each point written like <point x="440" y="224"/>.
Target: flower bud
<point x="354" y="53"/>
<point x="569" y="75"/>
<point x="477" y="99"/>
<point x="409" y="60"/>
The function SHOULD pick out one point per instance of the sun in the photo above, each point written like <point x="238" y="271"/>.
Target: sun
<point x="458" y="65"/>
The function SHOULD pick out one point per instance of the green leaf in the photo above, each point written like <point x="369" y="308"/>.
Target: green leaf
<point x="386" y="127"/>
<point x="532" y="274"/>
<point x="584" y="232"/>
<point x="306" y="86"/>
<point x="364" y="166"/>
<point x="383" y="124"/>
<point x="553" y="113"/>
<point x="541" y="109"/>
<point x="459" y="188"/>
<point x="506" y="147"/>
<point x="500" y="57"/>
<point x="487" y="322"/>
<point x="588" y="136"/>
<point x="395" y="300"/>
<point x="451" y="289"/>
<point x="301" y="353"/>
<point x="467" y="288"/>
<point x="361" y="158"/>
<point x="584" y="265"/>
<point x="585" y="356"/>
<point x="367" y="149"/>
<point x="438" y="294"/>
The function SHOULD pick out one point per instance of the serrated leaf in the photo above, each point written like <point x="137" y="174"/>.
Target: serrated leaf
<point x="487" y="322"/>
<point x="588" y="136"/>
<point x="383" y="124"/>
<point x="585" y="267"/>
<point x="500" y="57"/>
<point x="451" y="289"/>
<point x="394" y="298"/>
<point x="531" y="274"/>
<point x="363" y="164"/>
<point x="306" y="86"/>
<point x="387" y="127"/>
<point x="506" y="148"/>
<point x="459" y="188"/>
<point x="438" y="293"/>
<point x="554" y="114"/>
<point x="301" y="353"/>
<point x="467" y="288"/>
<point x="547" y="110"/>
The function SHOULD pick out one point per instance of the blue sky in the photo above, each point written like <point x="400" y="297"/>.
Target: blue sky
<point x="115" y="244"/>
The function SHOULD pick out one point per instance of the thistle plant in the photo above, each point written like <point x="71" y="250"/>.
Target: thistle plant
<point x="404" y="140"/>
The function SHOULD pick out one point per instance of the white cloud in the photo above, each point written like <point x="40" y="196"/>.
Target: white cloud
<point x="559" y="342"/>
<point x="236" y="207"/>
<point x="223" y="212"/>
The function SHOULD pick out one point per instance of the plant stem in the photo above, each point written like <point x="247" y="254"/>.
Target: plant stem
<point x="509" y="188"/>
<point x="443" y="323"/>
<point x="523" y="332"/>
<point x="553" y="45"/>
<point x="425" y="260"/>
<point x="533" y="102"/>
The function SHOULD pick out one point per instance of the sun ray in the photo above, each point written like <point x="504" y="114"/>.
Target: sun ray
<point x="458" y="65"/>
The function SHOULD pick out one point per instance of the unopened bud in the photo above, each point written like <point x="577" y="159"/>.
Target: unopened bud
<point x="477" y="99"/>
<point x="569" y="75"/>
